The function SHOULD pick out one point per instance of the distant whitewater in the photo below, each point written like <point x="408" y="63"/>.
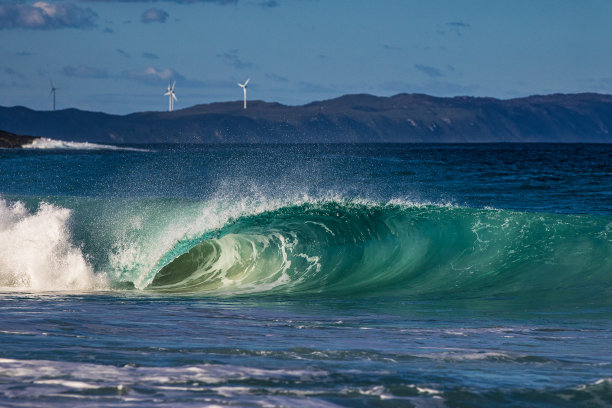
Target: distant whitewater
<point x="46" y="143"/>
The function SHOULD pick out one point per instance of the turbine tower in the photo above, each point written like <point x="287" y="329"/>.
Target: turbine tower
<point x="171" y="96"/>
<point x="244" y="87"/>
<point x="53" y="89"/>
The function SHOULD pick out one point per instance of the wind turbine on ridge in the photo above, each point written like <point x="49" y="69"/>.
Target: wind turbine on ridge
<point x="171" y="96"/>
<point x="53" y="89"/>
<point x="244" y="87"/>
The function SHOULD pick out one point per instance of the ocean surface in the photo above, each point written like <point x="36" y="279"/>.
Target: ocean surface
<point x="306" y="275"/>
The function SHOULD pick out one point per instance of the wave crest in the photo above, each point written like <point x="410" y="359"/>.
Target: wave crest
<point x="423" y="252"/>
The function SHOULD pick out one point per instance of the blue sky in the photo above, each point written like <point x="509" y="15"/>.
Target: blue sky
<point x="117" y="56"/>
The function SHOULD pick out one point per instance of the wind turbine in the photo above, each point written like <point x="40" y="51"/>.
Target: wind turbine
<point x="53" y="89"/>
<point x="244" y="87"/>
<point x="171" y="96"/>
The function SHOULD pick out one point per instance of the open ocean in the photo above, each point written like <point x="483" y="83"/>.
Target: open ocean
<point x="306" y="275"/>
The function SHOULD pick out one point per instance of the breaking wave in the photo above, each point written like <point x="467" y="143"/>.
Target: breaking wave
<point x="419" y="252"/>
<point x="330" y="248"/>
<point x="46" y="143"/>
<point x="36" y="252"/>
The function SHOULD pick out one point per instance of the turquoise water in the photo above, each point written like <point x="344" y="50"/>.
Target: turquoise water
<point x="315" y="275"/>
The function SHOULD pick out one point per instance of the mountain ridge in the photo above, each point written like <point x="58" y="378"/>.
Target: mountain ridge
<point x="356" y="118"/>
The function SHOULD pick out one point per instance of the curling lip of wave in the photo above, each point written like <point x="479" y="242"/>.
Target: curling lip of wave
<point x="338" y="249"/>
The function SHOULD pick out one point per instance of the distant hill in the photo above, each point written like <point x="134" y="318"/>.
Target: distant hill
<point x="583" y="117"/>
<point x="11" y="140"/>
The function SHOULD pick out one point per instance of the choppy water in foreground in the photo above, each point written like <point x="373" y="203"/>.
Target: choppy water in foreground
<point x="317" y="275"/>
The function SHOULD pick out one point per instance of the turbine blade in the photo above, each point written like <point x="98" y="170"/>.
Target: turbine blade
<point x="174" y="97"/>
<point x="247" y="81"/>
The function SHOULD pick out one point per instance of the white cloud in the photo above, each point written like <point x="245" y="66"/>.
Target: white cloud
<point x="46" y="16"/>
<point x="154" y="15"/>
<point x="222" y="2"/>
<point x="156" y="77"/>
<point x="153" y="75"/>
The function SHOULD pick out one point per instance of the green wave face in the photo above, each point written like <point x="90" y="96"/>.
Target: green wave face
<point x="430" y="252"/>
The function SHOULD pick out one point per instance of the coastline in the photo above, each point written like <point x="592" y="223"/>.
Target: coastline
<point x="357" y="118"/>
<point x="12" y="141"/>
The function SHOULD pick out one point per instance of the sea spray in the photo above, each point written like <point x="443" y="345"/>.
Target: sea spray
<point x="148" y="234"/>
<point x="36" y="252"/>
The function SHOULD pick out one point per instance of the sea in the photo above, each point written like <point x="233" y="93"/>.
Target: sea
<point x="306" y="275"/>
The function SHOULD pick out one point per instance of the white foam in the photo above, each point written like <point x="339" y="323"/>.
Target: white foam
<point x="425" y="390"/>
<point x="69" y="384"/>
<point x="601" y="381"/>
<point x="45" y="143"/>
<point x="85" y="374"/>
<point x="36" y="252"/>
